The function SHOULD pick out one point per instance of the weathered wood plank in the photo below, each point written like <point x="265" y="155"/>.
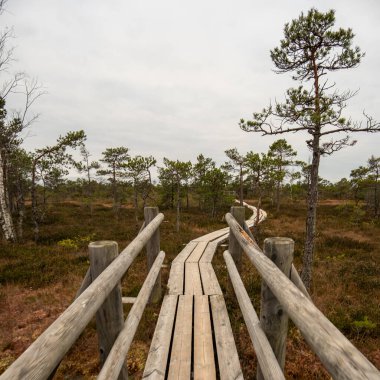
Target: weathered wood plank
<point x="209" y="252"/>
<point x="193" y="284"/>
<point x="336" y="352"/>
<point x="185" y="253"/>
<point x="265" y="355"/>
<point x="155" y="367"/>
<point x="118" y="353"/>
<point x="212" y="235"/>
<point x="128" y="299"/>
<point x="180" y="360"/>
<point x="197" y="253"/>
<point x="209" y="280"/>
<point x="228" y="359"/>
<point x="40" y="359"/>
<point x="204" y="363"/>
<point x="176" y="278"/>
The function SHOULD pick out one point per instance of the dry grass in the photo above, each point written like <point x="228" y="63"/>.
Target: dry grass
<point x="39" y="281"/>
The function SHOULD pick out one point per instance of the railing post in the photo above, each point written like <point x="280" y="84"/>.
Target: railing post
<point x="110" y="316"/>
<point x="152" y="251"/>
<point x="273" y="319"/>
<point x="238" y="212"/>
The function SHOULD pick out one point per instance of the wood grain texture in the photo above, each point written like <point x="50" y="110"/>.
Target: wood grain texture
<point x="152" y="251"/>
<point x="212" y="235"/>
<point x="193" y="284"/>
<point x="209" y="252"/>
<point x="197" y="253"/>
<point x="128" y="299"/>
<point x="185" y="253"/>
<point x="180" y="360"/>
<point x="204" y="363"/>
<point x="209" y="280"/>
<point x="40" y="359"/>
<point x="265" y="355"/>
<point x="228" y="359"/>
<point x="233" y="245"/>
<point x="176" y="282"/>
<point x="116" y="358"/>
<point x="273" y="319"/>
<point x="336" y="352"/>
<point x="110" y="316"/>
<point x="155" y="366"/>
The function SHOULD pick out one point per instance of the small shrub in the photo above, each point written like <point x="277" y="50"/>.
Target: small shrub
<point x="363" y="327"/>
<point x="78" y="242"/>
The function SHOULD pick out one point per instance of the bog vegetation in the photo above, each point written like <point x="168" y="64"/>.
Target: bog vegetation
<point x="47" y="219"/>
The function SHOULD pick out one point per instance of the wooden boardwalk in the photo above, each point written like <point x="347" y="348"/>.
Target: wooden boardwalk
<point x="193" y="336"/>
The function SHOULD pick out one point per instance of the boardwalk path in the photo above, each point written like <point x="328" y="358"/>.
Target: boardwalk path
<point x="193" y="336"/>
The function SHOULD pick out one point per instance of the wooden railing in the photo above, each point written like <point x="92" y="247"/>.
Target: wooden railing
<point x="99" y="294"/>
<point x="283" y="295"/>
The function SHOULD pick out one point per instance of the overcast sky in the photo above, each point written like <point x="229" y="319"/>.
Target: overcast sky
<point x="173" y="78"/>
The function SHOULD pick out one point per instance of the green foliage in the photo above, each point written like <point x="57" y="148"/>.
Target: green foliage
<point x="76" y="243"/>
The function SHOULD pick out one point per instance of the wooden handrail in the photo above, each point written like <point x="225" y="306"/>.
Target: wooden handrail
<point x="336" y="352"/>
<point x="265" y="356"/>
<point x="40" y="359"/>
<point x="120" y="348"/>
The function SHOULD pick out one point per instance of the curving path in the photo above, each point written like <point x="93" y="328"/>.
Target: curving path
<point x="193" y="336"/>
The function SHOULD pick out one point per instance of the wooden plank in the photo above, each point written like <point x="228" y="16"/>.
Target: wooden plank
<point x="116" y="358"/>
<point x="197" y="252"/>
<point x="180" y="360"/>
<point x="176" y="278"/>
<point x="184" y="254"/>
<point x="228" y="359"/>
<point x="209" y="252"/>
<point x="209" y="280"/>
<point x="193" y="283"/>
<point x="155" y="366"/>
<point x="265" y="355"/>
<point x="128" y="299"/>
<point x="204" y="363"/>
<point x="212" y="235"/>
<point x="336" y="352"/>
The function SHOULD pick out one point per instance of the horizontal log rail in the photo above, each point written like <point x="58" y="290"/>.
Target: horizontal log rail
<point x="120" y="348"/>
<point x="41" y="358"/>
<point x="335" y="351"/>
<point x="265" y="356"/>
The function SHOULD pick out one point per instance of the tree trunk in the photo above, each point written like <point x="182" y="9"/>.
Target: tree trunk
<point x="241" y="186"/>
<point x="312" y="196"/>
<point x="278" y="189"/>
<point x="33" y="194"/>
<point x="20" y="209"/>
<point x="178" y="204"/>
<point x="311" y="218"/>
<point x="6" y="217"/>
<point x="135" y="201"/>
